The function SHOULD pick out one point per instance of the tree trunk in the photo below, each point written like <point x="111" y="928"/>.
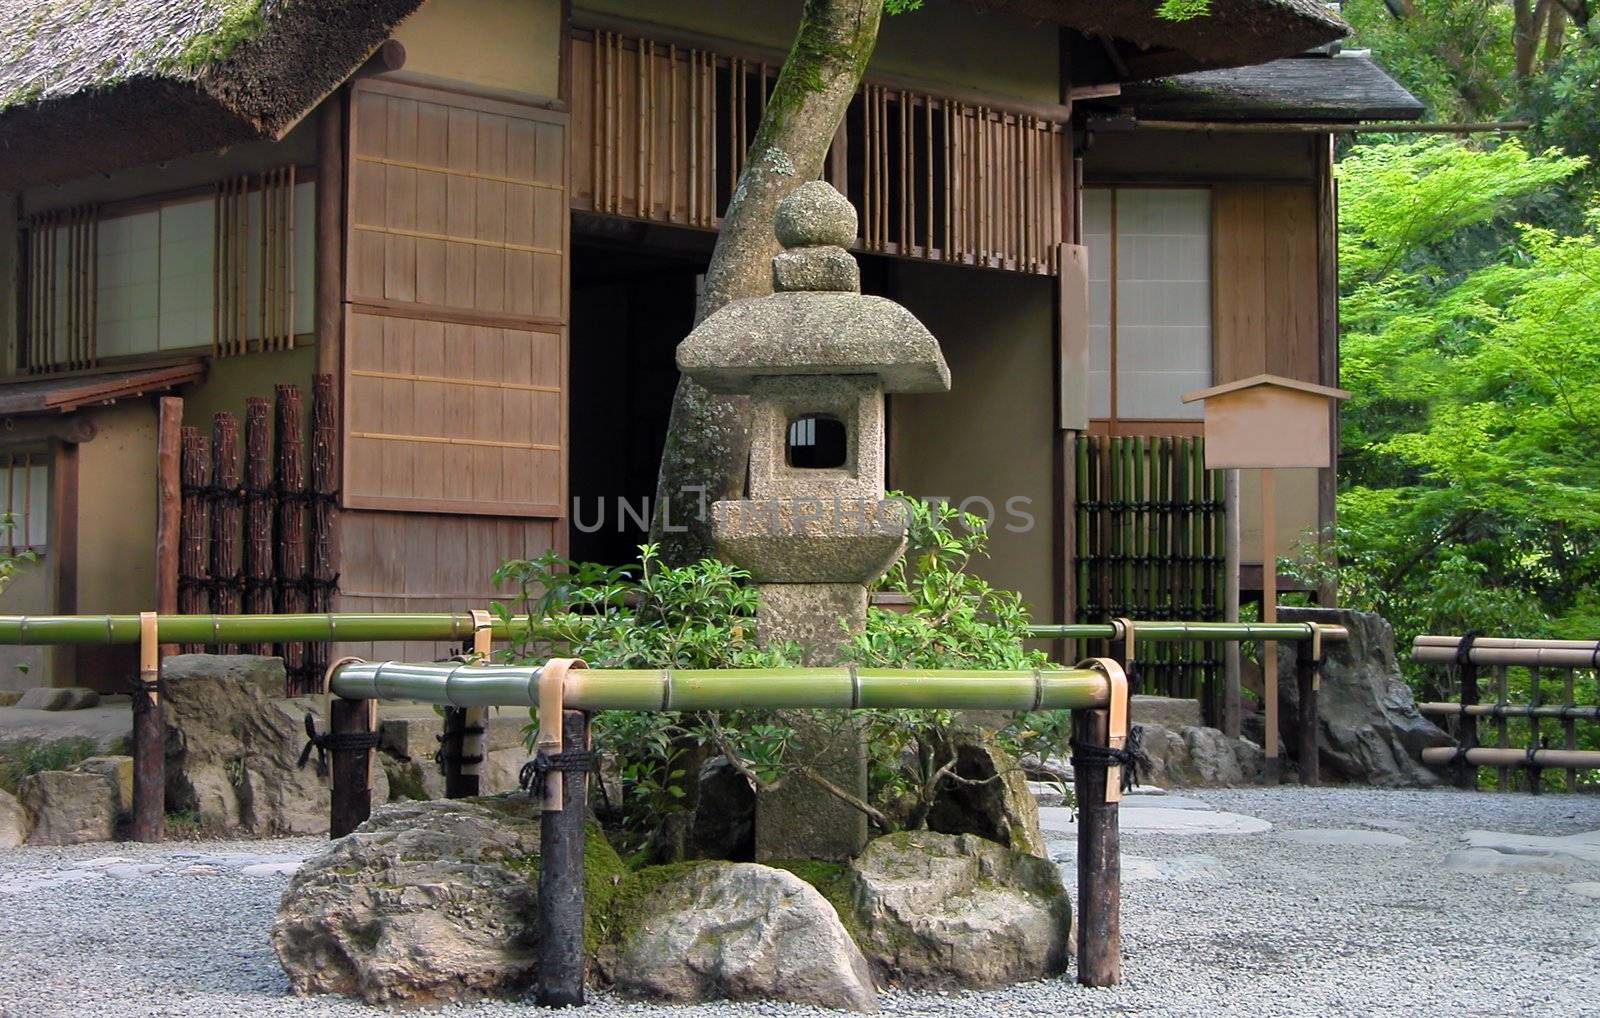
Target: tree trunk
<point x="708" y="440"/>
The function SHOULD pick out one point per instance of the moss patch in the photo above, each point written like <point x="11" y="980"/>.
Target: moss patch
<point x="242" y="20"/>
<point x="604" y="873"/>
<point x="625" y="910"/>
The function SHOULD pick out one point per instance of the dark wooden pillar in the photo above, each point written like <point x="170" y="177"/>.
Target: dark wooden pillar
<point x="1099" y="861"/>
<point x="561" y="837"/>
<point x="352" y="734"/>
<point x="149" y="742"/>
<point x="1466" y="775"/>
<point x="1308" y="675"/>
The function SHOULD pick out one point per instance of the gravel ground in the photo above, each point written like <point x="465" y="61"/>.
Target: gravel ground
<point x="1262" y="926"/>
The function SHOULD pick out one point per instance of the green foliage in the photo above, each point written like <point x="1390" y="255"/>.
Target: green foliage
<point x="24" y="757"/>
<point x="11" y="562"/>
<point x="1182" y="10"/>
<point x="703" y="616"/>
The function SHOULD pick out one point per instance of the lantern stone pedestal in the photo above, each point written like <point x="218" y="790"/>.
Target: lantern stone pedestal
<point x="814" y="530"/>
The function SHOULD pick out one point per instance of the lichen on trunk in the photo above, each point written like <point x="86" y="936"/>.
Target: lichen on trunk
<point x="708" y="439"/>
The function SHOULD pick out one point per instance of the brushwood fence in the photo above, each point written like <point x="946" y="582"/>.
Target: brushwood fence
<point x="1150" y="537"/>
<point x="259" y="537"/>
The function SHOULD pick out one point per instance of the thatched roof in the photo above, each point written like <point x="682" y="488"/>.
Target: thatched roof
<point x="98" y="85"/>
<point x="1344" y="88"/>
<point x="1231" y="33"/>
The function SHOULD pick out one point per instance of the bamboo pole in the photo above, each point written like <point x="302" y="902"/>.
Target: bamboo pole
<point x="212" y="630"/>
<point x="1581" y="759"/>
<point x="1527" y="657"/>
<point x="1571" y="712"/>
<point x="843" y="687"/>
<point x="1506" y="643"/>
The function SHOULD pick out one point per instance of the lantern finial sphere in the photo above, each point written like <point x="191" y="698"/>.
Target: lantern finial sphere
<point x="815" y="215"/>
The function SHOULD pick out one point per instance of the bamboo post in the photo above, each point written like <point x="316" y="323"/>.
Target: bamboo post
<point x="352" y="729"/>
<point x="1465" y="774"/>
<point x="290" y="540"/>
<point x="149" y="743"/>
<point x="1099" y="852"/>
<point x="1308" y="675"/>
<point x="1269" y="613"/>
<point x="258" y="513"/>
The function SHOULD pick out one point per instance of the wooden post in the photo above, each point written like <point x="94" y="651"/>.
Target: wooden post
<point x="225" y="590"/>
<point x="169" y="505"/>
<point x="1308" y="674"/>
<point x="324" y="511"/>
<point x="149" y="743"/>
<point x="465" y="742"/>
<point x="258" y="512"/>
<point x="351" y="768"/>
<point x="194" y="531"/>
<point x="561" y="838"/>
<point x="1466" y="775"/>
<point x="1269" y="613"/>
<point x="1230" y="606"/>
<point x="1099" y="861"/>
<point x="290" y="540"/>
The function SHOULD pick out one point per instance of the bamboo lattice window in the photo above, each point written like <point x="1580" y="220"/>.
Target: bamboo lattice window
<point x="24" y="502"/>
<point x="661" y="132"/>
<point x="61" y="291"/>
<point x="225" y="266"/>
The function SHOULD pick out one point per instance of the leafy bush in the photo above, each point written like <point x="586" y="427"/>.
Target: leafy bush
<point x="703" y="616"/>
<point x="24" y="757"/>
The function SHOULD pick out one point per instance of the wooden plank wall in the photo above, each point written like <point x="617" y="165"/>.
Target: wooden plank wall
<point x="661" y="131"/>
<point x="1265" y="305"/>
<point x="456" y="348"/>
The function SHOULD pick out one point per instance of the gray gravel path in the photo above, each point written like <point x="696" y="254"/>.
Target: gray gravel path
<point x="1253" y="924"/>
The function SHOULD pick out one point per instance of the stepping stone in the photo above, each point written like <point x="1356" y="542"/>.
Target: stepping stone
<point x="271" y="869"/>
<point x="1335" y="836"/>
<point x="1158" y="820"/>
<point x="1164" y="801"/>
<point x="131" y="871"/>
<point x="1487" y="860"/>
<point x="58" y="698"/>
<point x="1587" y="889"/>
<point x="1584" y="847"/>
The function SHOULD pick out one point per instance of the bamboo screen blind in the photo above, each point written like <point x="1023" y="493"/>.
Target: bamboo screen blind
<point x="660" y="132"/>
<point x="253" y="299"/>
<point x="455" y="359"/>
<point x="25" y="502"/>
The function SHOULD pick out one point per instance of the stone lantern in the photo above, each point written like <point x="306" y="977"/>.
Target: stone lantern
<point x="816" y="357"/>
<point x="814" y="528"/>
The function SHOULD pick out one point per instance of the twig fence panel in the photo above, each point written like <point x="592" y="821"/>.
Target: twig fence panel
<point x="1547" y="664"/>
<point x="284" y="527"/>
<point x="1150" y="534"/>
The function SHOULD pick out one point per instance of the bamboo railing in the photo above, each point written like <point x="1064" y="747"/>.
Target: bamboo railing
<point x="1467" y="655"/>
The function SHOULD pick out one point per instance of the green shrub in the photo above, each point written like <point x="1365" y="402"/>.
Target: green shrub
<point x="20" y="759"/>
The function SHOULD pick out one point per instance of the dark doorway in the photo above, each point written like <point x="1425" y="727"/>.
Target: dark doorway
<point x="630" y="308"/>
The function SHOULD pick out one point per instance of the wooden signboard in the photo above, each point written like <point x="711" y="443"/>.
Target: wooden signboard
<point x="1263" y="422"/>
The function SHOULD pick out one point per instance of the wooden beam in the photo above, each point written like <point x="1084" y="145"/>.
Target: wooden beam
<point x="62" y="554"/>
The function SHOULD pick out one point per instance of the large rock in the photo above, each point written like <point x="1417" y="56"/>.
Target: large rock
<point x="992" y="800"/>
<point x="425" y="903"/>
<point x="117" y="768"/>
<point x="739" y="931"/>
<point x="1369" y="728"/>
<point x="69" y="807"/>
<point x="58" y="698"/>
<point x="1196" y="757"/>
<point x="14" y="822"/>
<point x="1166" y="711"/>
<point x="942" y="911"/>
<point x="233" y="746"/>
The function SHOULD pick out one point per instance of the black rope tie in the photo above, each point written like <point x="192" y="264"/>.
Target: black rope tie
<point x="534" y="771"/>
<point x="139" y="693"/>
<point x="1459" y="758"/>
<point x="449" y="741"/>
<point x="1464" y="648"/>
<point x="333" y="742"/>
<point x="1130" y="757"/>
